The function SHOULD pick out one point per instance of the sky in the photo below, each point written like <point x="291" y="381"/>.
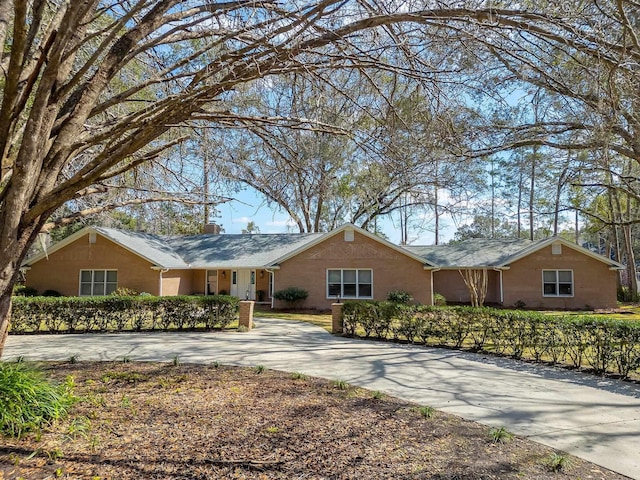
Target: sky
<point x="250" y="207"/>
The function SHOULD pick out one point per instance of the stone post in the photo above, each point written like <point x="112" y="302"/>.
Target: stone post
<point x="337" y="325"/>
<point x="246" y="314"/>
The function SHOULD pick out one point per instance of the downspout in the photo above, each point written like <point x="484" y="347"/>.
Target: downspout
<point x="273" y="284"/>
<point x="162" y="270"/>
<point x="433" y="270"/>
<point x="499" y="270"/>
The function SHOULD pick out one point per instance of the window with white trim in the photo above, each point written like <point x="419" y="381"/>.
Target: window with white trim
<point x="350" y="283"/>
<point x="98" y="282"/>
<point x="557" y="283"/>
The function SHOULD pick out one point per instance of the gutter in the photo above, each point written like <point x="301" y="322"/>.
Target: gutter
<point x="161" y="270"/>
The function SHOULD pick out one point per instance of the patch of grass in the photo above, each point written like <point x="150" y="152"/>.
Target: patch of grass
<point x="175" y="361"/>
<point x="500" y="435"/>
<point x="259" y="368"/>
<point x="298" y="376"/>
<point x="123" y="377"/>
<point x="377" y="395"/>
<point x="341" y="385"/>
<point x="79" y="427"/>
<point x="73" y="359"/>
<point x="557" y="462"/>
<point x="425" y="411"/>
<point x="322" y="320"/>
<point x="28" y="400"/>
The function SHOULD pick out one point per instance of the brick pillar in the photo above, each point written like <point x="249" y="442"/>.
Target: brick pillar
<point x="246" y="314"/>
<point x="337" y="325"/>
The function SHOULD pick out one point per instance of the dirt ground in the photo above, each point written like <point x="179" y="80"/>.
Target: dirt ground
<point x="166" y="421"/>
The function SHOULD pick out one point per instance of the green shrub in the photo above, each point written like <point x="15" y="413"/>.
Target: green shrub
<point x="51" y="293"/>
<point x="439" y="300"/>
<point x="603" y="344"/>
<point x="24" y="291"/>
<point x="291" y="295"/>
<point x="400" y="296"/>
<point x="28" y="400"/>
<point x="125" y="292"/>
<point x="118" y="313"/>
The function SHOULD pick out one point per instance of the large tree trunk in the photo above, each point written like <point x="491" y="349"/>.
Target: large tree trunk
<point x="14" y="245"/>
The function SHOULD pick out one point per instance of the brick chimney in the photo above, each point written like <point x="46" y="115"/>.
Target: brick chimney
<point x="211" y="228"/>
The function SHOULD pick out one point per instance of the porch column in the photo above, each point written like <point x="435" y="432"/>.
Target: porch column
<point x="246" y="314"/>
<point x="337" y="323"/>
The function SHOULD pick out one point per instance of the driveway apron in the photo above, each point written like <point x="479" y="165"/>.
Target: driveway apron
<point x="594" y="418"/>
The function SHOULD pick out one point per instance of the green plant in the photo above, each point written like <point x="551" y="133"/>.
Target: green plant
<point x="259" y="368"/>
<point x="500" y="435"/>
<point x="377" y="395"/>
<point x="80" y="426"/>
<point x="400" y="296"/>
<point x="215" y="364"/>
<point x="557" y="462"/>
<point x="260" y="295"/>
<point x="24" y="291"/>
<point x="28" y="399"/>
<point x="125" y="292"/>
<point x="341" y="384"/>
<point x="54" y="454"/>
<point x="73" y="358"/>
<point x="126" y="359"/>
<point x="272" y="429"/>
<point x="439" y="300"/>
<point x="519" y="305"/>
<point x="51" y="293"/>
<point x="291" y="295"/>
<point x="426" y="411"/>
<point x="242" y="328"/>
<point x="175" y="361"/>
<point x="298" y="376"/>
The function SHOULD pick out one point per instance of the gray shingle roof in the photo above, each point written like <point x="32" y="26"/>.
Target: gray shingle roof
<point x="238" y="250"/>
<point x="152" y="247"/>
<point x="210" y="251"/>
<point x="480" y="252"/>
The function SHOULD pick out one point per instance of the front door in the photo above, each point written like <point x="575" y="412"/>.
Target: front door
<point x="243" y="284"/>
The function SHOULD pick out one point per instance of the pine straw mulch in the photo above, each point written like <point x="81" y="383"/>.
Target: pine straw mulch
<point x="159" y="421"/>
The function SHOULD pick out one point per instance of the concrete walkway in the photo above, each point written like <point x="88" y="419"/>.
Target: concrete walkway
<point x="591" y="417"/>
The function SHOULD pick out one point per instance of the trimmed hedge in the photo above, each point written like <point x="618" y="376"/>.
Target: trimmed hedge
<point x="116" y="314"/>
<point x="600" y="343"/>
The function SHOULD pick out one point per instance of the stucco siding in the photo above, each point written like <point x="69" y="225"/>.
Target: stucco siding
<point x="594" y="283"/>
<point x="61" y="271"/>
<point x="392" y="270"/>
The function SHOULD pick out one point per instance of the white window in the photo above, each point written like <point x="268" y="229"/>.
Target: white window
<point x="98" y="282"/>
<point x="557" y="283"/>
<point x="350" y="283"/>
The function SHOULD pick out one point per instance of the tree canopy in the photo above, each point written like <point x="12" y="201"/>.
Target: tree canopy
<point x="97" y="95"/>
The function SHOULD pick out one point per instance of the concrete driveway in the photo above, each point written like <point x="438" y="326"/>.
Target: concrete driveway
<point x="591" y="417"/>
